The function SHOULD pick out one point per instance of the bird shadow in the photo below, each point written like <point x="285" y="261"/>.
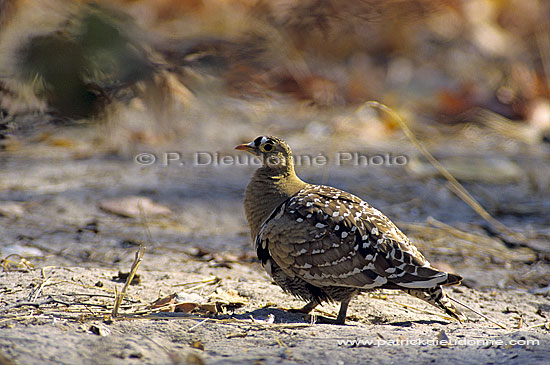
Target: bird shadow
<point x="267" y="315"/>
<point x="279" y="315"/>
<point x="282" y="316"/>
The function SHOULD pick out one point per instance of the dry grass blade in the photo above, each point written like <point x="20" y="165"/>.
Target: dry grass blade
<point x="543" y="43"/>
<point x="137" y="260"/>
<point x="544" y="325"/>
<point x="455" y="186"/>
<point x="26" y="303"/>
<point x="198" y="324"/>
<point x="36" y="293"/>
<point x="490" y="246"/>
<point x="479" y="314"/>
<point x="22" y="318"/>
<point x="475" y="245"/>
<point x="205" y="281"/>
<point x="425" y="311"/>
<point x="505" y="126"/>
<point x="120" y="296"/>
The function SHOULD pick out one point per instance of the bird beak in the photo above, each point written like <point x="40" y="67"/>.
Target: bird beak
<point x="251" y="148"/>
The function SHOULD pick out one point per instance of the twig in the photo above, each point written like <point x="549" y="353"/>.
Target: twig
<point x="22" y="304"/>
<point x="21" y="318"/>
<point x="51" y="300"/>
<point x="479" y="313"/>
<point x="543" y="324"/>
<point x="120" y="296"/>
<point x="137" y="260"/>
<point x="216" y="279"/>
<point x="281" y="343"/>
<point x="34" y="295"/>
<point x="202" y="285"/>
<point x="198" y="324"/>
<point x="423" y="310"/>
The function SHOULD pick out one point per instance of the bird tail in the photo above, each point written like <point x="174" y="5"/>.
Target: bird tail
<point x="436" y="297"/>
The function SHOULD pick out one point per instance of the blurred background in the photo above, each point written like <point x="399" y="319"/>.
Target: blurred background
<point x="158" y="71"/>
<point x="85" y="86"/>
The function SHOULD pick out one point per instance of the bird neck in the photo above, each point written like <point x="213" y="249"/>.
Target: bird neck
<point x="268" y="189"/>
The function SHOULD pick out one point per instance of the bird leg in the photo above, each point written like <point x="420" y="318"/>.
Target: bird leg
<point x="341" y="319"/>
<point x="306" y="308"/>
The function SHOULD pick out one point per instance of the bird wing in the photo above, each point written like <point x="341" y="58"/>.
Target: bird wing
<point x="328" y="237"/>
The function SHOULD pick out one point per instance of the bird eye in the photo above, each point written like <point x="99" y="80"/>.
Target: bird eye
<point x="267" y="147"/>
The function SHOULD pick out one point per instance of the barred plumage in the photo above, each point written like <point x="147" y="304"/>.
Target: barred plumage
<point x="320" y="243"/>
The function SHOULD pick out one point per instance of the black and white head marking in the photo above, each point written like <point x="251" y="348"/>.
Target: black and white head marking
<point x="258" y="141"/>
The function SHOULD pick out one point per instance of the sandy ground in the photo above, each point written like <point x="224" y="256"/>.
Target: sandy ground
<point x="223" y="78"/>
<point x="58" y="311"/>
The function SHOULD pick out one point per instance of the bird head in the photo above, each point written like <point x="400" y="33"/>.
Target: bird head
<point x="274" y="152"/>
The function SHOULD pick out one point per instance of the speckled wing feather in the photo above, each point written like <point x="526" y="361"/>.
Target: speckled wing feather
<point x="328" y="237"/>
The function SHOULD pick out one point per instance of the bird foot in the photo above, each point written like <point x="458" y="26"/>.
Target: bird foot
<point x="324" y="320"/>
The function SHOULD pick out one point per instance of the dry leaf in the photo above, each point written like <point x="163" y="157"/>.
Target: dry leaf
<point x="161" y="302"/>
<point x="192" y="302"/>
<point x="209" y="307"/>
<point x="228" y="298"/>
<point x="185" y="307"/>
<point x="185" y="304"/>
<point x="131" y="207"/>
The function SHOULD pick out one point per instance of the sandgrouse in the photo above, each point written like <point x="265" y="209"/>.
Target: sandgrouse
<point x="321" y="244"/>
